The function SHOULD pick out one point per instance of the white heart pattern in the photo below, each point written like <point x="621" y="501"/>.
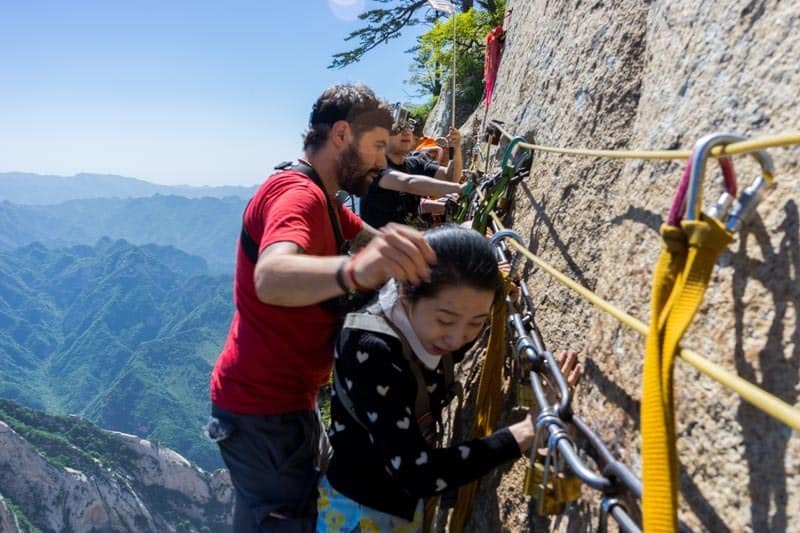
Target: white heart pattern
<point x="362" y="356"/>
<point x="372" y="416"/>
<point x="396" y="462"/>
<point x="431" y="388"/>
<point x="404" y="423"/>
<point x="348" y="383"/>
<point x="464" y="451"/>
<point x="383" y="389"/>
<point x="338" y="427"/>
<point x="423" y="458"/>
<point x="440" y="485"/>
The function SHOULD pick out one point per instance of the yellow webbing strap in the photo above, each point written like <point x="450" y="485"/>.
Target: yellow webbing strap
<point x="488" y="404"/>
<point x="659" y="429"/>
<point x="679" y="284"/>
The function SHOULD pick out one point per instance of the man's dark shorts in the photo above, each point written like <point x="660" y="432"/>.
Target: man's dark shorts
<point x="275" y="464"/>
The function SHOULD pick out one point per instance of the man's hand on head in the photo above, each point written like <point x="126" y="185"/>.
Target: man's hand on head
<point x="398" y="252"/>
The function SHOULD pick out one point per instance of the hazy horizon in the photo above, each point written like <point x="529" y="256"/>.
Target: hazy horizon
<point x="144" y="179"/>
<point x="183" y="93"/>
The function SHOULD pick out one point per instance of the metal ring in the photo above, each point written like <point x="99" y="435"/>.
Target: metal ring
<point x="505" y="234"/>
<point x="511" y="144"/>
<point x="702" y="149"/>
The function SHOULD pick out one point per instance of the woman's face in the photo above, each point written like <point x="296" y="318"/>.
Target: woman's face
<point x="451" y="319"/>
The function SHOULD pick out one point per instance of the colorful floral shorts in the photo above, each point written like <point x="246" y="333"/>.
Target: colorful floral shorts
<point x="336" y="513"/>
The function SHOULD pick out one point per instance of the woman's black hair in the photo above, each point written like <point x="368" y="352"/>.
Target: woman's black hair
<point x="463" y="257"/>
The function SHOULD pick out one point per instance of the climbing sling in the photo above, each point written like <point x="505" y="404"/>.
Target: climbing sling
<point x="489" y="402"/>
<point x="679" y="283"/>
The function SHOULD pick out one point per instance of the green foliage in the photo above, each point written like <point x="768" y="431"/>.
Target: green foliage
<point x="386" y="23"/>
<point x="383" y="25"/>
<point x="432" y="67"/>
<point x="421" y="111"/>
<point x="433" y="62"/>
<point x="123" y="335"/>
<point x="24" y="524"/>
<point x="67" y="440"/>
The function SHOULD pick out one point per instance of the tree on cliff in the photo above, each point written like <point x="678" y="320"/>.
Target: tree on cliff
<point x="386" y="23"/>
<point x="433" y="56"/>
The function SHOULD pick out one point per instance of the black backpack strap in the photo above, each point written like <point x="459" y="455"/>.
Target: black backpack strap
<point x="312" y="174"/>
<point x="250" y="246"/>
<point x="453" y="387"/>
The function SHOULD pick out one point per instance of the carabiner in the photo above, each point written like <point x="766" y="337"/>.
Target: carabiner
<point x="511" y="145"/>
<point x="679" y="202"/>
<point x="605" y="508"/>
<point x="751" y="196"/>
<point x="506" y="234"/>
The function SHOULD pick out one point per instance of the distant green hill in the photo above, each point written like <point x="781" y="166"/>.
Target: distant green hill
<point x="206" y="227"/>
<point x="124" y="335"/>
<point x="40" y="189"/>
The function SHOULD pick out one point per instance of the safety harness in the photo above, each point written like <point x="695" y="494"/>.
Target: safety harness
<point x="339" y="305"/>
<point x="373" y="320"/>
<point x="250" y="246"/>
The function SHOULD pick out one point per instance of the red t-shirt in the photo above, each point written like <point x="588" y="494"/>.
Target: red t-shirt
<point x="276" y="358"/>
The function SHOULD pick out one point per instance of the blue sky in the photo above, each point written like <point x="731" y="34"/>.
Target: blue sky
<point x="195" y="92"/>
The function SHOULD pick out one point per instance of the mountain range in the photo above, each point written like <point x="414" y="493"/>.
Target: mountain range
<point x="120" y="334"/>
<point x="40" y="189"/>
<point x="206" y="227"/>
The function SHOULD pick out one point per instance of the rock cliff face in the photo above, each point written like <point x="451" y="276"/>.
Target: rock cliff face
<point x="660" y="75"/>
<point x="135" y="485"/>
<point x="8" y="522"/>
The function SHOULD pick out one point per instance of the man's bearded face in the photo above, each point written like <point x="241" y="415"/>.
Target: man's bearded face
<point x="355" y="173"/>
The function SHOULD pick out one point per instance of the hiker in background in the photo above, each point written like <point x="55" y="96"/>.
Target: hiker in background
<point x="394" y="196"/>
<point x="393" y="374"/>
<point x="434" y="149"/>
<point x="290" y="274"/>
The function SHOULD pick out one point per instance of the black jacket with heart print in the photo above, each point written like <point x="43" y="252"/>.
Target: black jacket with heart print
<point x="390" y="467"/>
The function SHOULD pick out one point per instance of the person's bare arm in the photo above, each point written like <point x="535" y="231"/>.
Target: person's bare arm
<point x="285" y="276"/>
<point x="453" y="170"/>
<point x="363" y="237"/>
<point x="415" y="184"/>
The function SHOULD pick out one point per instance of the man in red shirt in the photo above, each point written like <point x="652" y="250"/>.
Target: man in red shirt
<point x="289" y="273"/>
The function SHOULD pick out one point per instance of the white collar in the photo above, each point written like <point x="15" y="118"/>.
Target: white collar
<point x="392" y="307"/>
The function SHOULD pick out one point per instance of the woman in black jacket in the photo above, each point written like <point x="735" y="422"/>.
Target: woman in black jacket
<point x="393" y="372"/>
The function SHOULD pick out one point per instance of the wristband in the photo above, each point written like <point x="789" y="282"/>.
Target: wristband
<point x="351" y="275"/>
<point x="340" y="277"/>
